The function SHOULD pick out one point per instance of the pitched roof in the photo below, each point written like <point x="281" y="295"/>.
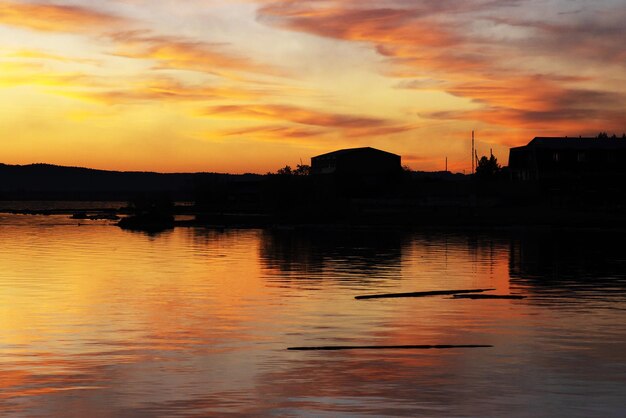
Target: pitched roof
<point x="354" y="151"/>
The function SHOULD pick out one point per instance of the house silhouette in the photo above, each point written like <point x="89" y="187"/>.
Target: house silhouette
<point x="563" y="158"/>
<point x="357" y="161"/>
<point x="356" y="172"/>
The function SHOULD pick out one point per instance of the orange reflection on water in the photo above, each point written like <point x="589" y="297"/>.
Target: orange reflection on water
<point x="75" y="299"/>
<point x="195" y="321"/>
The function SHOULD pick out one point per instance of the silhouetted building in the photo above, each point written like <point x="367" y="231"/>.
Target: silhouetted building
<point x="356" y="172"/>
<point x="557" y="158"/>
<point x="363" y="161"/>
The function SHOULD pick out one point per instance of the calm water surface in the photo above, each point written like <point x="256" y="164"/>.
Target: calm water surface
<point x="100" y="322"/>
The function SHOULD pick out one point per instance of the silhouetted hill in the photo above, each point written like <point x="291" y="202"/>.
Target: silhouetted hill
<point x="45" y="181"/>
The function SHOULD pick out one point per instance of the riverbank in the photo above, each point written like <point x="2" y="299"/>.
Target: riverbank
<point x="353" y="214"/>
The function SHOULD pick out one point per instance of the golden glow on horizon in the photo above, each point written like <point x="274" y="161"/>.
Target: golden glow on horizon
<point x="252" y="85"/>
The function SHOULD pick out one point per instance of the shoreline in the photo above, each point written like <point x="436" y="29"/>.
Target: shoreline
<point x="571" y="220"/>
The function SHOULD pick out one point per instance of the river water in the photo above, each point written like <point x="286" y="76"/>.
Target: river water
<point x="100" y="322"/>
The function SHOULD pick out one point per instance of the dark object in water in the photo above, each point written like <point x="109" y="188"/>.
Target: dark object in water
<point x="79" y="215"/>
<point x="104" y="216"/>
<point x="421" y="294"/>
<point x="488" y="297"/>
<point x="149" y="214"/>
<point x="386" y="347"/>
<point x="148" y="222"/>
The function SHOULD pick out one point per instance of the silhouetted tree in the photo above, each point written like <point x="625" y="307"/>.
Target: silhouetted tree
<point x="285" y="171"/>
<point x="488" y="167"/>
<point x="603" y="135"/>
<point x="301" y="170"/>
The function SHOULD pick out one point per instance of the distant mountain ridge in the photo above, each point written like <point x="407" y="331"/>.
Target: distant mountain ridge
<point x="47" y="181"/>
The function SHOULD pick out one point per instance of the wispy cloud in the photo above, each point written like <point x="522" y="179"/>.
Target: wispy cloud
<point x="276" y="132"/>
<point x="57" y="18"/>
<point x="373" y="25"/>
<point x="35" y="74"/>
<point x="436" y="45"/>
<point x="350" y="124"/>
<point x="539" y="103"/>
<point x="33" y="54"/>
<point x="165" y="89"/>
<point x="186" y="54"/>
<point x="584" y="37"/>
<point x="107" y="90"/>
<point x="167" y="52"/>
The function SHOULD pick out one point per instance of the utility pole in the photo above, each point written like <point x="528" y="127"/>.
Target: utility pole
<point x="476" y="160"/>
<point x="473" y="152"/>
<point x="446" y="163"/>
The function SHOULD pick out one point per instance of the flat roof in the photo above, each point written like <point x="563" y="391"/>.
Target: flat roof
<point x="575" y="143"/>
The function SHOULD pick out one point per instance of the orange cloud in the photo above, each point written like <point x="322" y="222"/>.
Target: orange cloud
<point x="442" y="51"/>
<point x="107" y="90"/>
<point x="276" y="132"/>
<point x="170" y="52"/>
<point x="165" y="89"/>
<point x="185" y="54"/>
<point x="378" y="25"/>
<point x="539" y="103"/>
<point x="351" y="125"/>
<point x="32" y="54"/>
<point x="559" y="121"/>
<point x="56" y="18"/>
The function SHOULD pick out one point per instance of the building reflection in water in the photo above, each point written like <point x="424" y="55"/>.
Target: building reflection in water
<point x="341" y="255"/>
<point x="580" y="264"/>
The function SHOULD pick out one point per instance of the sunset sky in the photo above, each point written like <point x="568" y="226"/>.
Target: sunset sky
<point x="252" y="85"/>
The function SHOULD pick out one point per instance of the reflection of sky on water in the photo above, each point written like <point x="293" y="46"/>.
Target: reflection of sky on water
<point x="100" y="322"/>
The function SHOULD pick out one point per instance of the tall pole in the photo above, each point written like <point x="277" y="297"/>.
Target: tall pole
<point x="472" y="152"/>
<point x="446" y="163"/>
